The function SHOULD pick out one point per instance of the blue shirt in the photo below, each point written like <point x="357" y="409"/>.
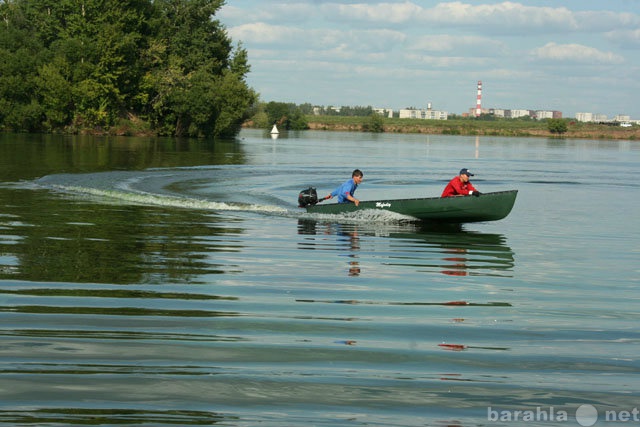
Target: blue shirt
<point x="349" y="187"/>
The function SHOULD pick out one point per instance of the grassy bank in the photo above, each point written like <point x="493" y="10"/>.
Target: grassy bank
<point x="521" y="128"/>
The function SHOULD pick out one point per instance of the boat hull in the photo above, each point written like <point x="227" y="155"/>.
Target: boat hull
<point x="458" y="209"/>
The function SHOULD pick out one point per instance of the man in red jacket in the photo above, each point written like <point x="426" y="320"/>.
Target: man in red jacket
<point x="460" y="185"/>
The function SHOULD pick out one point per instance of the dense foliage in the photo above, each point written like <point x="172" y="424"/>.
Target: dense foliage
<point x="558" y="126"/>
<point x="88" y="64"/>
<point x="286" y="115"/>
<point x="346" y="110"/>
<point x="374" y="124"/>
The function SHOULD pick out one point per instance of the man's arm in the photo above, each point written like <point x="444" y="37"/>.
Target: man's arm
<point x="353" y="199"/>
<point x="471" y="189"/>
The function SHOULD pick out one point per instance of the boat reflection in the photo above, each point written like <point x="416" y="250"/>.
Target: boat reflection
<point x="448" y="249"/>
<point x="347" y="237"/>
<point x="461" y="252"/>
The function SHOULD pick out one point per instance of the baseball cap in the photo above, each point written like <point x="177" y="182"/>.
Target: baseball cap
<point x="465" y="171"/>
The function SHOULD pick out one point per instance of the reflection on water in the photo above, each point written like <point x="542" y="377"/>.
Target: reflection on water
<point x="466" y="253"/>
<point x="196" y="296"/>
<point x="81" y="242"/>
<point x="114" y="416"/>
<point x="448" y="249"/>
<point x="347" y="237"/>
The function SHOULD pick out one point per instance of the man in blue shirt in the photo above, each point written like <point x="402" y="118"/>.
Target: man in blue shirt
<point x="346" y="190"/>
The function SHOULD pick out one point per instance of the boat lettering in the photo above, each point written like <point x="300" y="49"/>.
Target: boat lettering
<point x="383" y="205"/>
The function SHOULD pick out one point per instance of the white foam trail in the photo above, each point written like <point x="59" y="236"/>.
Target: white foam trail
<point x="364" y="216"/>
<point x="142" y="198"/>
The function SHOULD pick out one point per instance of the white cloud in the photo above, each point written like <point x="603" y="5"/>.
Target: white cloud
<point x="281" y="13"/>
<point x="357" y="51"/>
<point x="393" y="13"/>
<point x="469" y="45"/>
<point x="503" y="17"/>
<point x="575" y="53"/>
<point x="606" y="20"/>
<point x="373" y="40"/>
<point x="261" y="33"/>
<point x="445" y="62"/>
<point x="628" y="39"/>
<point x="499" y="17"/>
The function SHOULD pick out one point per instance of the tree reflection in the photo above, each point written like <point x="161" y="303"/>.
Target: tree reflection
<point x="81" y="242"/>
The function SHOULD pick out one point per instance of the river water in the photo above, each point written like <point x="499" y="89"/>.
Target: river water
<point x="175" y="282"/>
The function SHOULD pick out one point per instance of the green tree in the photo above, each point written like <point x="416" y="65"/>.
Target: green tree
<point x="356" y="111"/>
<point x="375" y="123"/>
<point x="196" y="85"/>
<point x="54" y="86"/>
<point x="306" y="108"/>
<point x="558" y="126"/>
<point x="86" y="63"/>
<point x="286" y="115"/>
<point x="20" y="51"/>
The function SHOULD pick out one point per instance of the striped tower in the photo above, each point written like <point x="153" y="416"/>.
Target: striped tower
<point x="479" y="99"/>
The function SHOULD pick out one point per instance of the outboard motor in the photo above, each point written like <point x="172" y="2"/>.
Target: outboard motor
<point x="307" y="197"/>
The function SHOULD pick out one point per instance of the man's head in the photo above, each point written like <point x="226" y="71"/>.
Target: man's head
<point x="465" y="174"/>
<point x="357" y="176"/>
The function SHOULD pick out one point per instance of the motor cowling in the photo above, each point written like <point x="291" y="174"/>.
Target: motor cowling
<point x="307" y="197"/>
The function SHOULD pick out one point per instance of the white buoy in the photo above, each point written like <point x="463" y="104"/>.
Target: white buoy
<point x="274" y="130"/>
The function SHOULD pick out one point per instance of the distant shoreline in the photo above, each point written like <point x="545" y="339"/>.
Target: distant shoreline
<point x="466" y="127"/>
<point x="463" y="127"/>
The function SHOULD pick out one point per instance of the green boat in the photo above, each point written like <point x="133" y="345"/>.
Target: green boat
<point x="458" y="209"/>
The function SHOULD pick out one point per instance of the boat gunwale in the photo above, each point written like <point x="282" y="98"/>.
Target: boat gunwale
<point x="416" y="198"/>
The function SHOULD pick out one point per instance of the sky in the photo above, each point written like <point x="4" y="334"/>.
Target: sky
<point x="571" y="56"/>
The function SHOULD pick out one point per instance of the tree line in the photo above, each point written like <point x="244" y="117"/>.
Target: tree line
<point x="164" y="65"/>
<point x="291" y="116"/>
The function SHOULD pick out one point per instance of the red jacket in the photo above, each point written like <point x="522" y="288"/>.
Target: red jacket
<point x="455" y="187"/>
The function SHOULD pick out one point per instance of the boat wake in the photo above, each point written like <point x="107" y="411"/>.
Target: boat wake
<point x="141" y="198"/>
<point x="177" y="188"/>
<point x="362" y="216"/>
<point x="216" y="189"/>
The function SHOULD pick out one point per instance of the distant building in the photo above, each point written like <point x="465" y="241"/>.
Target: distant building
<point x="509" y="114"/>
<point x="592" y="118"/>
<point x="514" y="114"/>
<point x="384" y="112"/>
<point x="547" y="114"/>
<point x="428" y="114"/>
<point x="423" y="114"/>
<point x="584" y="117"/>
<point x="601" y="118"/>
<point x="497" y="112"/>
<point x="474" y="111"/>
